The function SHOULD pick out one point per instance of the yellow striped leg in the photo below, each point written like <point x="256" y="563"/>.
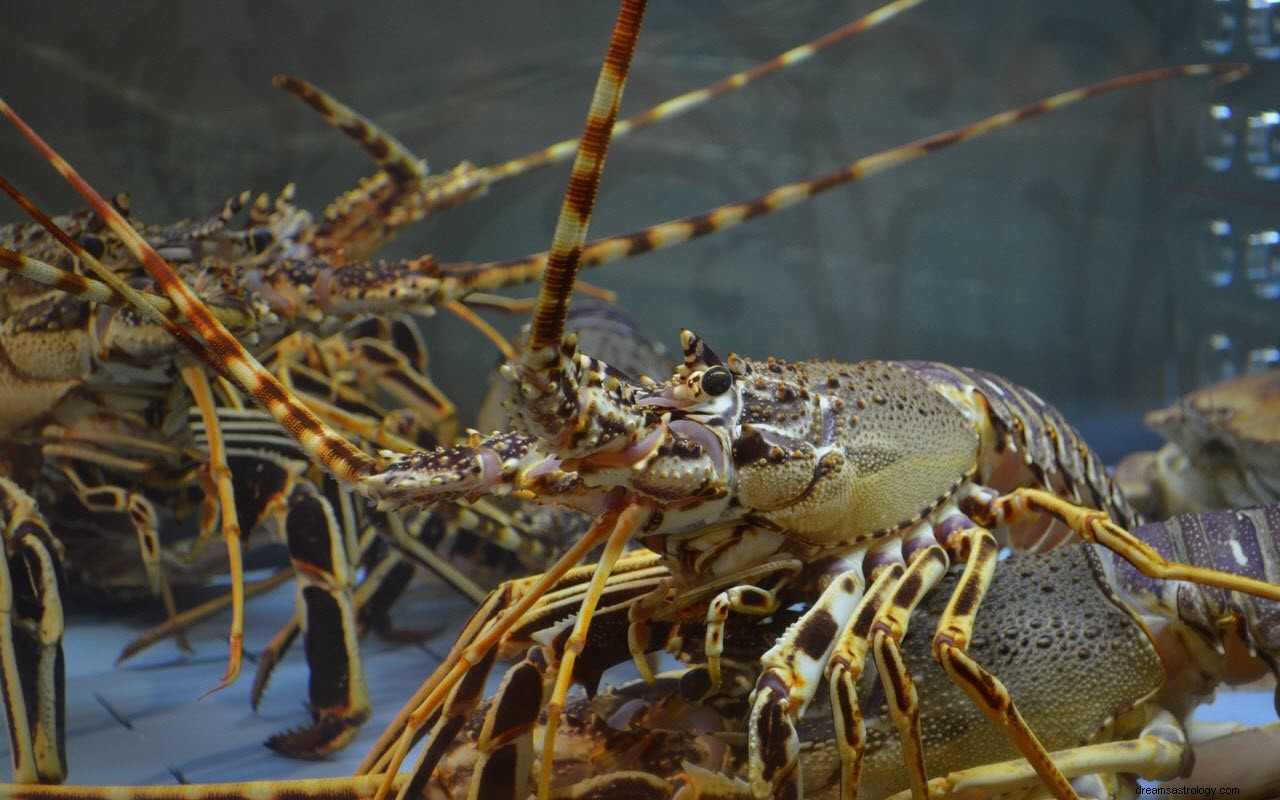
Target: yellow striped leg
<point x="1160" y="752"/>
<point x="978" y="548"/>
<point x="31" y="626"/>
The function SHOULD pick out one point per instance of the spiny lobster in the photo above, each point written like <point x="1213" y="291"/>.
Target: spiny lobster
<point x="794" y="476"/>
<point x="284" y="259"/>
<point x="1106" y="663"/>
<point x="1223" y="450"/>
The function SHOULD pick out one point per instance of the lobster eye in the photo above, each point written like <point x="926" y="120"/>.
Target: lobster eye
<point x="716" y="381"/>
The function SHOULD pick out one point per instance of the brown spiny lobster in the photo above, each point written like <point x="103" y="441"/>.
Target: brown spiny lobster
<point x="287" y="272"/>
<point x="1106" y="664"/>
<point x="756" y="482"/>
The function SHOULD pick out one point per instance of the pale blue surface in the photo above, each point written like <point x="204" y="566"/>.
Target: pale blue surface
<point x="220" y="738"/>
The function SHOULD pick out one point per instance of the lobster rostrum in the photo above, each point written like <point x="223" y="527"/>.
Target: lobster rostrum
<point x="734" y="494"/>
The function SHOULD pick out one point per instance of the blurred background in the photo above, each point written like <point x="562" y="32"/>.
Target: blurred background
<point x="1110" y="256"/>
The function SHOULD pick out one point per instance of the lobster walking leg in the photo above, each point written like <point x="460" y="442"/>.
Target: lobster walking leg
<point x="887" y="632"/>
<point x="339" y="695"/>
<point x="628" y="522"/>
<point x="977" y="548"/>
<point x="950" y="649"/>
<point x="220" y="475"/>
<point x="1159" y="752"/>
<point x="790" y="676"/>
<point x="844" y="668"/>
<point x="1094" y="526"/>
<point x="31" y="659"/>
<point x="459" y="662"/>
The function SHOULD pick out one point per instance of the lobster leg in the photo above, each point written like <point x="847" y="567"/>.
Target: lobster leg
<point x="925" y="570"/>
<point x="472" y="665"/>
<point x="263" y="486"/>
<point x="98" y="501"/>
<point x="791" y="672"/>
<point x="31" y="660"/>
<point x="384" y="581"/>
<point x="473" y="643"/>
<point x="220" y="476"/>
<point x="141" y="514"/>
<point x="339" y="695"/>
<point x="744" y="599"/>
<point x="499" y="764"/>
<point x="978" y="549"/>
<point x="628" y="522"/>
<point x="1095" y="527"/>
<point x="1160" y="752"/>
<point x="844" y="668"/>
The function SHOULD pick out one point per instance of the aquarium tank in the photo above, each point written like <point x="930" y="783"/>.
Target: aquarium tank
<point x="1110" y="255"/>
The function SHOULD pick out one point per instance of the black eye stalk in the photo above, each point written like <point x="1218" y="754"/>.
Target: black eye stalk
<point x="717" y="380"/>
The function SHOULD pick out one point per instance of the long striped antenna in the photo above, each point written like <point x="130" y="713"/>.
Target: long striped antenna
<point x="462" y="278"/>
<point x="542" y="352"/>
<point x="361" y="220"/>
<point x="404" y="192"/>
<point x="684" y="103"/>
<point x="110" y="290"/>
<point x="328" y="448"/>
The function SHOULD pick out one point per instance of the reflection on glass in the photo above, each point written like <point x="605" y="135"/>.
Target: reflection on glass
<point x="1262" y="28"/>
<point x="1262" y="264"/>
<point x="1216" y="252"/>
<point x="1216" y="138"/>
<point x="1215" y="359"/>
<point x="1261" y="359"/>
<point x="1217" y="22"/>
<point x="1262" y="146"/>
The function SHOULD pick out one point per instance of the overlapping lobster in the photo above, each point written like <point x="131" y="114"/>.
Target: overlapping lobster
<point x="850" y="488"/>
<point x="1105" y="663"/>
<point x="283" y="281"/>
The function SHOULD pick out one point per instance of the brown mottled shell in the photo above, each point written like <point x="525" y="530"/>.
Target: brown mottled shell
<point x="1241" y="410"/>
<point x="1223" y="451"/>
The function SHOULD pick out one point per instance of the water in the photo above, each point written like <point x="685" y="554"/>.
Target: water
<point x="1056" y="252"/>
<point x="1042" y="252"/>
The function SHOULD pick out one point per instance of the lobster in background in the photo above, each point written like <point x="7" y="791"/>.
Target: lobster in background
<point x="847" y="488"/>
